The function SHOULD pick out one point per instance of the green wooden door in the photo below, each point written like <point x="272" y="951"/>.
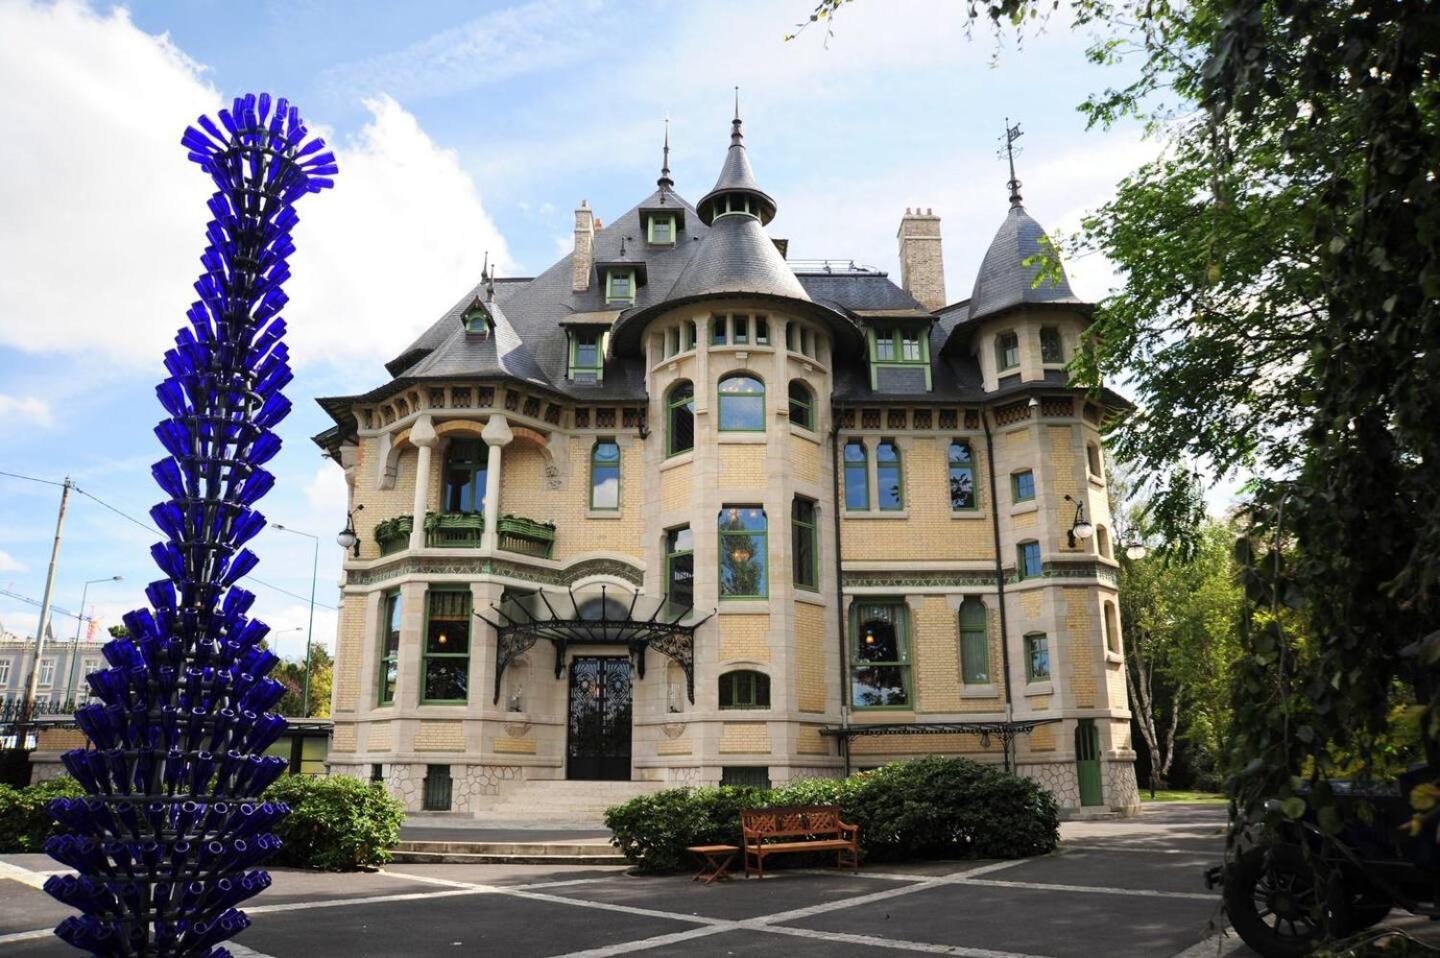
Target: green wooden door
<point x="1087" y="762"/>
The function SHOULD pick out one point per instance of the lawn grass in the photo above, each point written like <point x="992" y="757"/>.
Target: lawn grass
<point x="1163" y="795"/>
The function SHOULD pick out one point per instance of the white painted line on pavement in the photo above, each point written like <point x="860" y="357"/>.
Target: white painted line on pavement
<point x="23" y="875"/>
<point x="897" y="944"/>
<point x="645" y="944"/>
<point x="27" y="935"/>
<point x="1088" y="889"/>
<point x="240" y="951"/>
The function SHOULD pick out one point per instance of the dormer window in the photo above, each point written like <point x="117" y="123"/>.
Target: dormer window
<point x="587" y="355"/>
<point x="1052" y="348"/>
<point x="899" y="358"/>
<point x="1007" y="351"/>
<point x="620" y="286"/>
<point x="662" y="230"/>
<point x="476" y="320"/>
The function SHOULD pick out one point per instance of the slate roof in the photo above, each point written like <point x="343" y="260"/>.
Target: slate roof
<point x="1004" y="281"/>
<point x="737" y="177"/>
<point x="737" y="257"/>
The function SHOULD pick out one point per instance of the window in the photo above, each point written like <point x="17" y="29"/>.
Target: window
<point x="1110" y="623"/>
<point x="807" y="342"/>
<point x="437" y="789"/>
<point x="742" y="404"/>
<point x="446" y="665"/>
<point x="605" y="475"/>
<point x="1037" y="657"/>
<point x="5" y="672"/>
<point x="672" y="341"/>
<point x="1052" y="350"/>
<point x="889" y="483"/>
<point x="680" y="421"/>
<point x="801" y="411"/>
<point x="680" y="566"/>
<point x="662" y="230"/>
<point x="791" y="337"/>
<point x="691" y="335"/>
<point x="745" y="689"/>
<point x="1007" y="351"/>
<point x="465" y="462"/>
<point x="620" y="286"/>
<point x="753" y="776"/>
<point x="804" y="544"/>
<point x="884" y="346"/>
<point x="719" y="330"/>
<point x="742" y="553"/>
<point x="740" y="330"/>
<point x="476" y="320"/>
<point x="1093" y="461"/>
<point x="962" y="476"/>
<point x="734" y="203"/>
<point x="1028" y="559"/>
<point x="974" y="644"/>
<point x="880" y="677"/>
<point x="377" y="772"/>
<point x="587" y="354"/>
<point x="389" y="646"/>
<point x="762" y="331"/>
<point x="1022" y="485"/>
<point x="47" y="672"/>
<point x="857" y="476"/>
<point x="1102" y="542"/>
<point x="898" y="347"/>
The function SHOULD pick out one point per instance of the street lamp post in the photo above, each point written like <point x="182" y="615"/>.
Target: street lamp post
<point x="309" y="629"/>
<point x="75" y="642"/>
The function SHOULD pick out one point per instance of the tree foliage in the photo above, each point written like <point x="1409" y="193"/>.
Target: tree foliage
<point x="292" y="675"/>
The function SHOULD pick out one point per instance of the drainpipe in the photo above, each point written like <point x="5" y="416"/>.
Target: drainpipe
<point x="999" y="577"/>
<point x="840" y="596"/>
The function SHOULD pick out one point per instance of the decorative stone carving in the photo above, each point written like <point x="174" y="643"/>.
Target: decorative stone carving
<point x="673" y="729"/>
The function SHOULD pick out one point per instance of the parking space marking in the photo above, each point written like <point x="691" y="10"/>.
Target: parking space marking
<point x="645" y="944"/>
<point x="26" y="935"/>
<point x="23" y="875"/>
<point x="1090" y="889"/>
<point x="897" y="944"/>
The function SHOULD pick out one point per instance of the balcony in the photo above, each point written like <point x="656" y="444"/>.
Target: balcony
<point x="466" y="530"/>
<point x="526" y="536"/>
<point x="454" y="530"/>
<point x="393" y="535"/>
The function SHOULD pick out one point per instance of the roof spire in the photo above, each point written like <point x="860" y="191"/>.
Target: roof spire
<point x="1012" y="133"/>
<point x="735" y="135"/>
<point x="665" y="183"/>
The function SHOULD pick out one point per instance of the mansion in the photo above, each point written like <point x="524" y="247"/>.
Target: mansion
<point x="681" y="511"/>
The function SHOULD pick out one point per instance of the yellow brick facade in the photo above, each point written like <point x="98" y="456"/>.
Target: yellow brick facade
<point x="744" y="637"/>
<point x="440" y="737"/>
<point x="805" y="458"/>
<point x="675" y="485"/>
<point x="379" y="737"/>
<point x="742" y="466"/>
<point x="515" y="746"/>
<point x="343" y="738"/>
<point x="745" y="738"/>
<point x="812" y="662"/>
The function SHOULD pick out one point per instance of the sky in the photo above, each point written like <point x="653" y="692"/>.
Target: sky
<point x="463" y="130"/>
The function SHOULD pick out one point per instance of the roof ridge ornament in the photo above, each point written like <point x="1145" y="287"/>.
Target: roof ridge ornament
<point x="735" y="135"/>
<point x="665" y="183"/>
<point x="1012" y="133"/>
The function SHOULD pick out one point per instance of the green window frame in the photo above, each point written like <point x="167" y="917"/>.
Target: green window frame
<point x="762" y="330"/>
<point x="1007" y="351"/>
<point x="389" y="665"/>
<point x="587" y="352"/>
<point x="680" y="566"/>
<point x="477" y="321"/>
<point x="744" y="553"/>
<point x="880" y="656"/>
<point x="974" y="644"/>
<point x="1052" y="347"/>
<point x="466" y="464"/>
<point x="805" y="544"/>
<point x="889" y="476"/>
<point x="961" y="459"/>
<point x="605" y="475"/>
<point x="680" y="418"/>
<point x="660" y="231"/>
<point x="802" y="409"/>
<point x="1027" y="560"/>
<point x="900" y="346"/>
<point x="445" y="657"/>
<point x="857" y="476"/>
<point x="620" y="286"/>
<point x="744" y="689"/>
<point x="741" y="398"/>
<point x="1022" y="485"/>
<point x="1037" y="657"/>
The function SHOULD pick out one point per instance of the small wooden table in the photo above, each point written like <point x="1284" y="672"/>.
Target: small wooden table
<point x="714" y="862"/>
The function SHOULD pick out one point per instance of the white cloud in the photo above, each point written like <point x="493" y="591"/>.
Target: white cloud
<point x="105" y="216"/>
<point x="326" y="492"/>
<point x="9" y="563"/>
<point x="21" y="411"/>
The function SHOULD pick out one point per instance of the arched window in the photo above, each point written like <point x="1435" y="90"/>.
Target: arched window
<point x="744" y="689"/>
<point x="680" y="419"/>
<point x="1052" y="349"/>
<point x="1112" y="628"/>
<point x="605" y="475"/>
<point x="606" y="607"/>
<point x="962" y="476"/>
<point x="1007" y="351"/>
<point x="743" y="559"/>
<point x="974" y="645"/>
<point x="889" y="482"/>
<point x="742" y="404"/>
<point x="857" y="476"/>
<point x="465" y="462"/>
<point x="802" y="412"/>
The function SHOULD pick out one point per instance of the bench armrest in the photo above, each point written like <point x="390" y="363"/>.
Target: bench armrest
<point x="853" y="830"/>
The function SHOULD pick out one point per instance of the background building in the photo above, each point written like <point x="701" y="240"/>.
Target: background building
<point x="678" y="510"/>
<point x="63" y="667"/>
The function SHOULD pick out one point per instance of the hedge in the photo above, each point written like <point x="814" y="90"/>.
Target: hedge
<point x="337" y="823"/>
<point x="932" y="807"/>
<point x="25" y="820"/>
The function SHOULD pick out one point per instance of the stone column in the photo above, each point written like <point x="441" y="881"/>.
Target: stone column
<point x="422" y="436"/>
<point x="497" y="435"/>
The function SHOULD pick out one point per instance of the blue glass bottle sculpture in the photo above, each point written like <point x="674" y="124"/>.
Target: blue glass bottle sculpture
<point x="166" y="842"/>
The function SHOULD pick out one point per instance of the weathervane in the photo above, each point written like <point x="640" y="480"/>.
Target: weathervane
<point x="1012" y="133"/>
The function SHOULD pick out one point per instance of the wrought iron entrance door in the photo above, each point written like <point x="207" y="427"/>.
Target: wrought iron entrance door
<point x="599" y="737"/>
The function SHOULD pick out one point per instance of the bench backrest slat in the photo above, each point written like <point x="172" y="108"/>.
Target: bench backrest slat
<point x="790" y="821"/>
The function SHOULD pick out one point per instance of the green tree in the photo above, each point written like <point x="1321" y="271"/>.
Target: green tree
<point x="118" y="632"/>
<point x="292" y="675"/>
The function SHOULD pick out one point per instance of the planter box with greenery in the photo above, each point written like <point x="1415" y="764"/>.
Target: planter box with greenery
<point x="393" y="535"/>
<point x="454" y="529"/>
<point x="928" y="808"/>
<point x="336" y="823"/>
<point x="518" y="534"/>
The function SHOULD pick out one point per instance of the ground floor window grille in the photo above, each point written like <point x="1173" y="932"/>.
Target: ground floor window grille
<point x="437" y="788"/>
<point x="756" y="776"/>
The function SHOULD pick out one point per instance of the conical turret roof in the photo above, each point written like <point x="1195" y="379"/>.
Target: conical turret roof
<point x="1005" y="281"/>
<point x="736" y="177"/>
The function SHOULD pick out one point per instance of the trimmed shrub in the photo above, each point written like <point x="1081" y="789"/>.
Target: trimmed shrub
<point x="932" y="807"/>
<point x="25" y="820"/>
<point x="337" y="823"/>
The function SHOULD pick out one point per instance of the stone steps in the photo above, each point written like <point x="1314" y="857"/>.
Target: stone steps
<point x="508" y="853"/>
<point x="570" y="802"/>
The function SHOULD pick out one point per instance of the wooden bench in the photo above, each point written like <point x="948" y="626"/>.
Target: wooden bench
<point x="800" y="828"/>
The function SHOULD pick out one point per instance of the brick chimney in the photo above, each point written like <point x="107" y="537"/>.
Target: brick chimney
<point x="922" y="270"/>
<point x="583" y="261"/>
